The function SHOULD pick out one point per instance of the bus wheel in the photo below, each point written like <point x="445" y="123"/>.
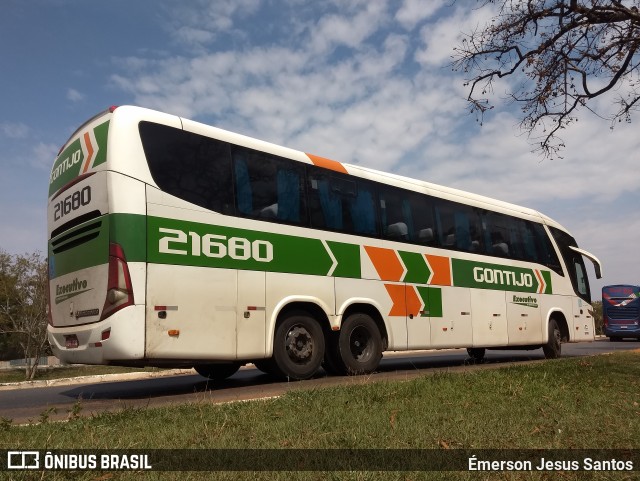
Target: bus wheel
<point x="553" y="348"/>
<point x="360" y="344"/>
<point x="298" y="346"/>
<point x="476" y="353"/>
<point x="217" y="372"/>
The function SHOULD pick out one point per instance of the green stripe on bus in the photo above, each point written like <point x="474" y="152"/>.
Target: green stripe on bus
<point x="102" y="136"/>
<point x="417" y="270"/>
<point x="66" y="167"/>
<point x="129" y="231"/>
<point x="171" y="241"/>
<point x="432" y="299"/>
<point x="483" y="275"/>
<point x="547" y="278"/>
<point x="348" y="259"/>
<point x="69" y="163"/>
<point x="84" y="246"/>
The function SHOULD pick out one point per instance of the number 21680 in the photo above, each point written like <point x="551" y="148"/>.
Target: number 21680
<point x="72" y="202"/>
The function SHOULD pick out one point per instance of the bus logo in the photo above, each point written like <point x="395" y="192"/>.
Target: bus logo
<point x="72" y="289"/>
<point x="525" y="301"/>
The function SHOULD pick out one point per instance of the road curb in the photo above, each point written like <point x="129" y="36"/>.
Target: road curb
<point x="98" y="378"/>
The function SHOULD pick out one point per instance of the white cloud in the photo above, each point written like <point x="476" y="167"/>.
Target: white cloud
<point x="348" y="30"/>
<point x="74" y="95"/>
<point x="439" y="38"/>
<point x="412" y="12"/>
<point x="43" y="155"/>
<point x="14" y="130"/>
<point x="204" y="23"/>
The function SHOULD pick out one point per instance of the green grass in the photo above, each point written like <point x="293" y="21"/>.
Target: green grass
<point x="17" y="375"/>
<point x="591" y="402"/>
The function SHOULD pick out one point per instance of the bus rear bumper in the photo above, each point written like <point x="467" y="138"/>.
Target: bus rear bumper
<point x="620" y="332"/>
<point x="120" y="337"/>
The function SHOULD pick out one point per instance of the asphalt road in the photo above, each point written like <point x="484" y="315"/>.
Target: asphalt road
<point x="23" y="405"/>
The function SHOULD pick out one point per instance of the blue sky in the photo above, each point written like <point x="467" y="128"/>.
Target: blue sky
<point x="363" y="82"/>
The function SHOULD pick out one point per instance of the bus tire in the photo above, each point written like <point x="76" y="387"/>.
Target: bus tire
<point x="298" y="346"/>
<point x="553" y="348"/>
<point x="476" y="353"/>
<point x="217" y="372"/>
<point x="360" y="344"/>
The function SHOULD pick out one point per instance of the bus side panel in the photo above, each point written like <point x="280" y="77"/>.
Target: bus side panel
<point x="453" y="328"/>
<point x="251" y="315"/>
<point x="583" y="323"/>
<point x="524" y="319"/>
<point x="489" y="318"/>
<point x="191" y="313"/>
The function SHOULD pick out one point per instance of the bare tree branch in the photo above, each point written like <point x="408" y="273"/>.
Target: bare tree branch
<point x="562" y="54"/>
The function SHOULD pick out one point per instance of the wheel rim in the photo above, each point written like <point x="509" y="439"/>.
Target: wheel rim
<point x="299" y="344"/>
<point x="360" y="344"/>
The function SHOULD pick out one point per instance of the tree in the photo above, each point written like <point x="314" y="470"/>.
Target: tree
<point x="23" y="304"/>
<point x="597" y="316"/>
<point x="561" y="54"/>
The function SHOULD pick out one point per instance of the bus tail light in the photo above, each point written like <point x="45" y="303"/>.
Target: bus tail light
<point x="605" y="320"/>
<point x="119" y="288"/>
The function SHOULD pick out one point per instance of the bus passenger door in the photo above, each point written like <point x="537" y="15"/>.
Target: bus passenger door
<point x="251" y="315"/>
<point x="489" y="318"/>
<point x="583" y="323"/>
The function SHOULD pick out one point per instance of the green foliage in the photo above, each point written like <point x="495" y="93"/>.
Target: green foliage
<point x="597" y="316"/>
<point x="23" y="305"/>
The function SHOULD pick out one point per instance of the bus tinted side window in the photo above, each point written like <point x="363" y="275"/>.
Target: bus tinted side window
<point x="268" y="187"/>
<point x="189" y="166"/>
<point x="573" y="262"/>
<point x="342" y="203"/>
<point x="407" y="216"/>
<point x="502" y="238"/>
<point x="546" y="252"/>
<point x="459" y="227"/>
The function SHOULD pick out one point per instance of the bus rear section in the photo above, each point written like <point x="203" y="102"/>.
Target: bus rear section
<point x="96" y="256"/>
<point x="621" y="311"/>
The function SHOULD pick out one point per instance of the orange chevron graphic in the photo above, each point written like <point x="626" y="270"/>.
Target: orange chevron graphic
<point x="541" y="284"/>
<point x="405" y="300"/>
<point x="386" y="262"/>
<point x="90" y="152"/>
<point x="441" y="268"/>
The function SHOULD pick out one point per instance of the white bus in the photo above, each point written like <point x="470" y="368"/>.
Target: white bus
<point x="173" y="243"/>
